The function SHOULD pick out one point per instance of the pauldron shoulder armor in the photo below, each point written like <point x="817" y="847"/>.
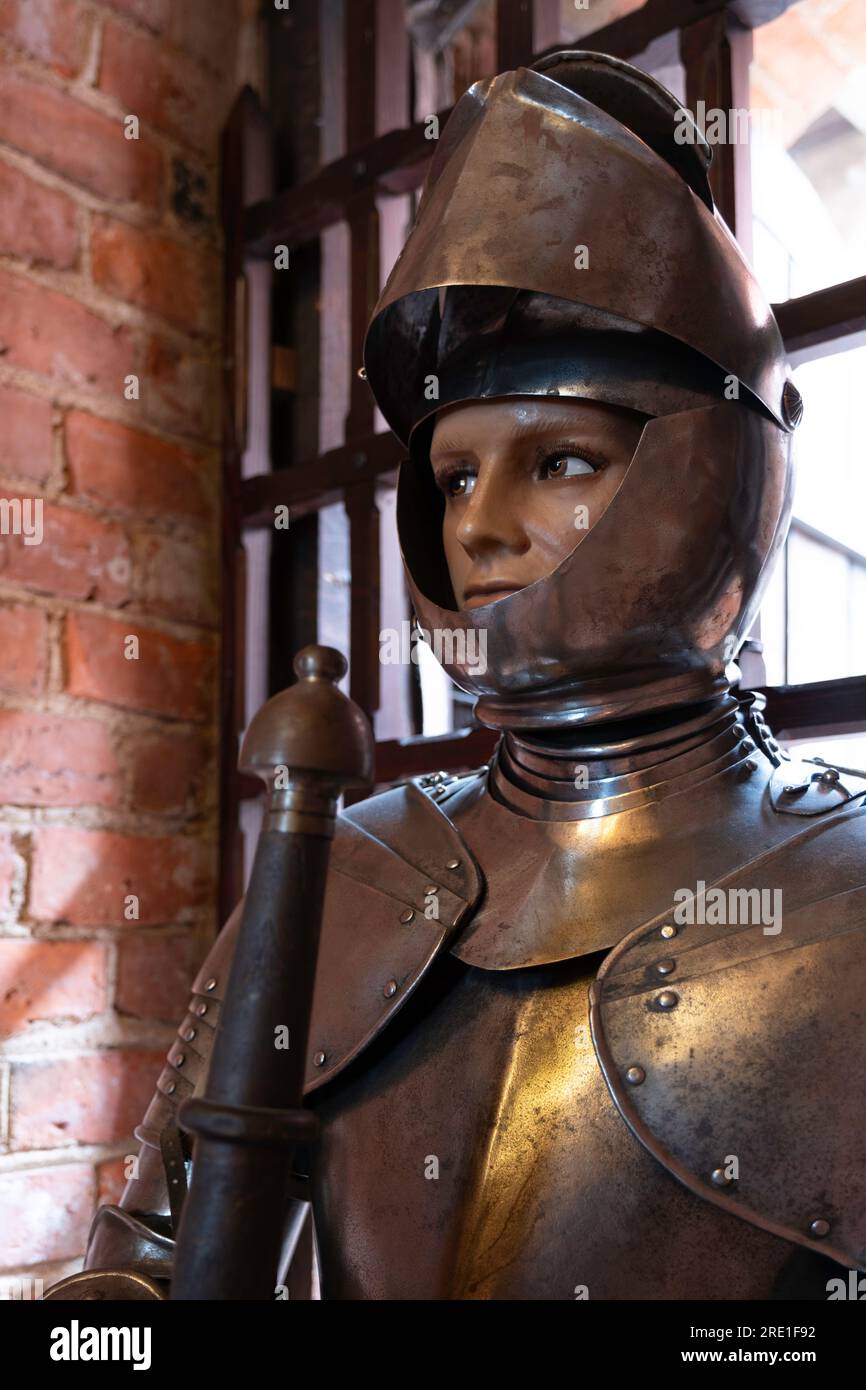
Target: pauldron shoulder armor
<point x="737" y="1053"/>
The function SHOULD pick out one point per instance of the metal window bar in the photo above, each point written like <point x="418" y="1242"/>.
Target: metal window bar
<point x="715" y="50"/>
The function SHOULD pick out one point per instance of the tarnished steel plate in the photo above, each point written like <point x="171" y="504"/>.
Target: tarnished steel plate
<point x="737" y="1054"/>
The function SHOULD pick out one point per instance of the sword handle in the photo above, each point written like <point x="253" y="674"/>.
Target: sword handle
<point x="307" y="743"/>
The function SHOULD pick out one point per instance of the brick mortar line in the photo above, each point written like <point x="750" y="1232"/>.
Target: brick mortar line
<point x="144" y="216"/>
<point x="137" y="26"/>
<point x="128" y="823"/>
<point x="54" y="392"/>
<point x="201" y="924"/>
<point x="59" y="472"/>
<point x="108" y="936"/>
<point x="103" y="406"/>
<point x="89" y="74"/>
<point x="174" y="627"/>
<point x="106" y="1031"/>
<point x="114" y="312"/>
<point x="49" y="1271"/>
<point x="122" y="723"/>
<point x="137" y="623"/>
<point x="169" y="524"/>
<point x="94" y="99"/>
<point x="121" y="820"/>
<point x="139" y="618"/>
<point x="53" y="672"/>
<point x="112" y="968"/>
<point x="26" y="1159"/>
<point x="93" y="1037"/>
<point x="5" y="1088"/>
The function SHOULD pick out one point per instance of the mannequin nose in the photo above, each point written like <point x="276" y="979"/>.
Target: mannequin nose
<point x="491" y="522"/>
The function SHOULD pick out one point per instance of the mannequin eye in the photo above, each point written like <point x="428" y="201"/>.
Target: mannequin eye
<point x="566" y="465"/>
<point x="459" y="482"/>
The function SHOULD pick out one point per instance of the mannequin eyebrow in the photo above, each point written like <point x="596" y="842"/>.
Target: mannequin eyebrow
<point x="450" y="446"/>
<point x="551" y="430"/>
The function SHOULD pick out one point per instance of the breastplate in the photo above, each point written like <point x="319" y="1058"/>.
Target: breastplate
<point x="479" y="1156"/>
<point x="474" y="1151"/>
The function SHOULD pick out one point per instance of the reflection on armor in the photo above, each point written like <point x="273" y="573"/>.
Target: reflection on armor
<point x="621" y="1059"/>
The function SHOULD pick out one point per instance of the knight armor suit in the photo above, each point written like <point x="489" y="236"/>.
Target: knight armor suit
<point x="588" y="1021"/>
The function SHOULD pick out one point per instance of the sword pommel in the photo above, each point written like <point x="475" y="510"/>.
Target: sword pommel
<point x="309" y="743"/>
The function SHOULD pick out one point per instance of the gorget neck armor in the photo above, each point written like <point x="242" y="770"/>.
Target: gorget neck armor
<point x="605" y="769"/>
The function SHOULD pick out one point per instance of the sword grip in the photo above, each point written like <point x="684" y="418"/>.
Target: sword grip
<point x="308" y="743"/>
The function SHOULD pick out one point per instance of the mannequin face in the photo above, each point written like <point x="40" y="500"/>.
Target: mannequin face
<point x="523" y="479"/>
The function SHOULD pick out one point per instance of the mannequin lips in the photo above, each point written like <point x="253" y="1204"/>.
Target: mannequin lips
<point x="478" y="595"/>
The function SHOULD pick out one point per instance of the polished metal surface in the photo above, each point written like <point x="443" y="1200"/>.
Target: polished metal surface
<point x="568" y="877"/>
<point x="526" y="171"/>
<point x="106" y="1285"/>
<point x="487" y="1077"/>
<point x="487" y="301"/>
<point x="746" y="1066"/>
<point x="481" y="1157"/>
<point x="536" y="1091"/>
<point x="616" y="629"/>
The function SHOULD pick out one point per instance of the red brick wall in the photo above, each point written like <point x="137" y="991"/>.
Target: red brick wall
<point x="109" y="269"/>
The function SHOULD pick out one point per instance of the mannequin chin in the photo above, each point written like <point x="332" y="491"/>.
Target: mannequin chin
<point x="523" y="478"/>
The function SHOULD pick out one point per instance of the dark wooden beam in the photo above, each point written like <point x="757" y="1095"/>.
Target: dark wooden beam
<point x="399" y="759"/>
<point x="396" y="162"/>
<point x="626" y="37"/>
<point x="819" y="708"/>
<point x="514" y="34"/>
<point x="364" y="567"/>
<point x="706" y="56"/>
<point x="318" y="482"/>
<point x="825" y="315"/>
<point x="360" y="497"/>
<point x="393" y="163"/>
<point x="236" y="155"/>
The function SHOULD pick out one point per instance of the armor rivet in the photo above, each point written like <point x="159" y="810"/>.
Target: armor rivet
<point x="667" y="999"/>
<point x="170" y="1088"/>
<point x="819" y="1227"/>
<point x="668" y="931"/>
<point x="453" y="864"/>
<point x="750" y="765"/>
<point x="635" y="1076"/>
<point x="719" y="1178"/>
<point x="664" y="967"/>
<point x="747" y="745"/>
<point x="189" y="1035"/>
<point x="211" y="984"/>
<point x="831" y="775"/>
<point x="390" y="989"/>
<point x="792" y="404"/>
<point x="179" y="1060"/>
<point x="319" y="1059"/>
<point x="407" y="915"/>
<point x="431" y="888"/>
<point x="201" y="1009"/>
